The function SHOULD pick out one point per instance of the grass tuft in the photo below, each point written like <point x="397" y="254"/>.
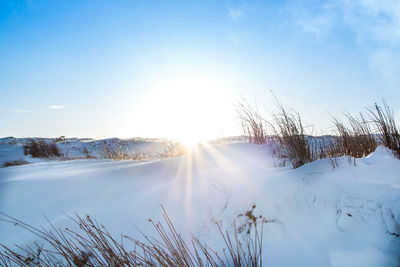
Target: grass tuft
<point x="41" y="148"/>
<point x="387" y="130"/>
<point x="298" y="147"/>
<point x="253" y="124"/>
<point x="93" y="245"/>
<point x="355" y="138"/>
<point x="121" y="154"/>
<point x="15" y="163"/>
<point x="356" y="141"/>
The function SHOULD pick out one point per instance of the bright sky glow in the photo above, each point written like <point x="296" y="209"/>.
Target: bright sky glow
<point x="174" y="69"/>
<point x="189" y="105"/>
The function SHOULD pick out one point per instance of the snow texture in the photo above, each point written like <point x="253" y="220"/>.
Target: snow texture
<point x="320" y="216"/>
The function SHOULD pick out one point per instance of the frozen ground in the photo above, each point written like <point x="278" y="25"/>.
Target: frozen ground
<point x="346" y="216"/>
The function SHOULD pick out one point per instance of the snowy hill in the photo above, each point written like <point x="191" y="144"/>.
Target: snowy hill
<point x="322" y="216"/>
<point x="11" y="149"/>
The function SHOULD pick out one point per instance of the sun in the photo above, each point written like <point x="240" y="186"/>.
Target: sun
<point x="189" y="106"/>
<point x="190" y="142"/>
<point x="196" y="105"/>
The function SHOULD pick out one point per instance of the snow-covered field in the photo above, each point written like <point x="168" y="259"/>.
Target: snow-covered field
<point x="324" y="216"/>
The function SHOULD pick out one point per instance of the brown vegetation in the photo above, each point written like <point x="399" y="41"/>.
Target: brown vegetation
<point x="387" y="130"/>
<point x="14" y="163"/>
<point x="94" y="246"/>
<point x="355" y="139"/>
<point x="41" y="148"/>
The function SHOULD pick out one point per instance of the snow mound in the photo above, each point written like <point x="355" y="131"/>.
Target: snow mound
<point x="319" y="215"/>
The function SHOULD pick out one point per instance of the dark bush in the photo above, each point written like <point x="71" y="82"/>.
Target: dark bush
<point x="41" y="148"/>
<point x="14" y="163"/>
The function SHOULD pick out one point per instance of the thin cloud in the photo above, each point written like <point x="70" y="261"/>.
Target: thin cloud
<point x="317" y="21"/>
<point x="56" y="107"/>
<point x="377" y="26"/>
<point x="376" y="20"/>
<point x="237" y="37"/>
<point x="235" y="13"/>
<point x="21" y="110"/>
<point x="370" y="20"/>
<point x="374" y="23"/>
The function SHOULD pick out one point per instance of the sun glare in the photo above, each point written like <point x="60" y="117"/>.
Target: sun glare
<point x="190" y="107"/>
<point x="190" y="142"/>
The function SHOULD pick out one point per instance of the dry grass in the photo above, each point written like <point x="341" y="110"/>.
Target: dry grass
<point x="329" y="148"/>
<point x="94" y="246"/>
<point x="87" y="153"/>
<point x="298" y="147"/>
<point x="15" y="163"/>
<point x="356" y="141"/>
<point x="288" y="131"/>
<point x="121" y="154"/>
<point x="253" y="124"/>
<point x="41" y="148"/>
<point x="387" y="130"/>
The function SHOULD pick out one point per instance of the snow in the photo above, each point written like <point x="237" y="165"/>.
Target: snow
<point x="11" y="148"/>
<point x="324" y="216"/>
<point x="368" y="257"/>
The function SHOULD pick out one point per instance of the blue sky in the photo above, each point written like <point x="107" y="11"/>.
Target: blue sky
<point x="154" y="68"/>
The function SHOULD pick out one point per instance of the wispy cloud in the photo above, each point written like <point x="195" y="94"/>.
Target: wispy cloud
<point x="21" y="110"/>
<point x="237" y="37"/>
<point x="56" y="107"/>
<point x="370" y="20"/>
<point x="375" y="25"/>
<point x="235" y="13"/>
<point x="386" y="63"/>
<point x="317" y="20"/>
<point x="374" y="19"/>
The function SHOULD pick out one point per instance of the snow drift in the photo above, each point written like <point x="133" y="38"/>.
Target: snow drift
<point x="320" y="216"/>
